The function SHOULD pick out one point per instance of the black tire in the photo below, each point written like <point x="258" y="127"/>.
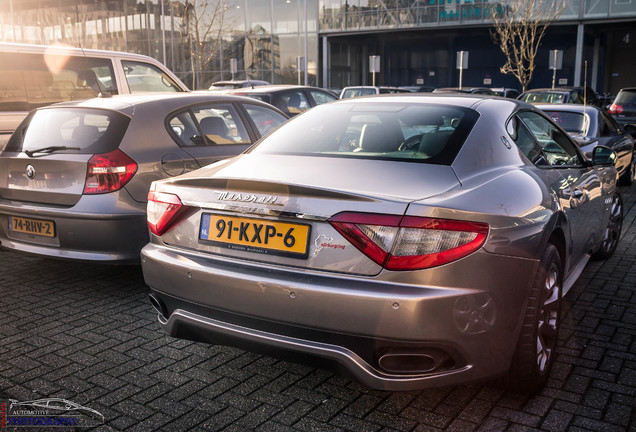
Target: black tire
<point x="628" y="176"/>
<point x="612" y="231"/>
<point x="535" y="352"/>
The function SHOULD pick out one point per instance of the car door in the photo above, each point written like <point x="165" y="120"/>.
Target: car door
<point x="577" y="185"/>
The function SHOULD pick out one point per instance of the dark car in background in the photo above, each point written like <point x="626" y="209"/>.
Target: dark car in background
<point x="415" y="240"/>
<point x="591" y="126"/>
<point x="75" y="175"/>
<point x="510" y="93"/>
<point x="469" y="90"/>
<point x="623" y="109"/>
<point x="291" y="99"/>
<point x="235" y="84"/>
<point x="561" y="95"/>
<point x="418" y="88"/>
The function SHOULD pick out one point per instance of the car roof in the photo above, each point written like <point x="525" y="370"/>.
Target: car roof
<point x="467" y="100"/>
<point x="169" y="101"/>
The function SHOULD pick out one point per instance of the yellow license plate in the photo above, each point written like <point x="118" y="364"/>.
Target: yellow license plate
<point x="255" y="235"/>
<point x="32" y="226"/>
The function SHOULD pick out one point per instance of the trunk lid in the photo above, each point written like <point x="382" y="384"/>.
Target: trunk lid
<point x="46" y="159"/>
<point x="300" y="193"/>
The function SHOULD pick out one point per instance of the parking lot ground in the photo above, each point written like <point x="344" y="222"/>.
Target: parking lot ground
<point x="87" y="333"/>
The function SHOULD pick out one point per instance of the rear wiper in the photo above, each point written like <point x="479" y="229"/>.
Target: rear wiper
<point x="49" y="149"/>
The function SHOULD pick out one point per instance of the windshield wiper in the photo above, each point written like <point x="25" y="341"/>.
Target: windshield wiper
<point x="49" y="149"/>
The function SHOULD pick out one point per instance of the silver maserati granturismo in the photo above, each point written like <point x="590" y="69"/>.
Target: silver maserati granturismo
<point x="413" y="241"/>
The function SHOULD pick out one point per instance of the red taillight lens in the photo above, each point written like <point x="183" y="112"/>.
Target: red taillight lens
<point x="162" y="211"/>
<point x="108" y="172"/>
<point x="615" y="109"/>
<point x="410" y="243"/>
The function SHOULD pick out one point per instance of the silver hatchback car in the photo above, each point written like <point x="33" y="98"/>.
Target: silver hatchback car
<point x="415" y="240"/>
<point x="74" y="176"/>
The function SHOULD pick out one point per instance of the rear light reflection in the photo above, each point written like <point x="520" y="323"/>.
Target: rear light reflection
<point x="410" y="243"/>
<point x="163" y="211"/>
<point x="109" y="172"/>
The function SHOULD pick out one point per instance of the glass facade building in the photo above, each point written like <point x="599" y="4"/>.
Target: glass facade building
<point x="328" y="42"/>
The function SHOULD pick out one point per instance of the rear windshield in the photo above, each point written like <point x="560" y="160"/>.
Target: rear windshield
<point x="356" y="92"/>
<point x="543" y="97"/>
<point x="382" y="130"/>
<point x="572" y="122"/>
<point x="80" y="130"/>
<point x="626" y="97"/>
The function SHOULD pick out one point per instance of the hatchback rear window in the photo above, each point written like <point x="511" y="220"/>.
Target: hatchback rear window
<point x="388" y="131"/>
<point x="626" y="97"/>
<point x="78" y="130"/>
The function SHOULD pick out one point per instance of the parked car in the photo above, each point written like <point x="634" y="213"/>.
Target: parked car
<point x="623" y="109"/>
<point x="418" y="88"/>
<point x="235" y="84"/>
<point x="562" y="95"/>
<point x="506" y="92"/>
<point x="37" y="75"/>
<point x="470" y="90"/>
<point x="357" y="91"/>
<point x="415" y="240"/>
<point x="291" y="99"/>
<point x="591" y="126"/>
<point x="76" y="174"/>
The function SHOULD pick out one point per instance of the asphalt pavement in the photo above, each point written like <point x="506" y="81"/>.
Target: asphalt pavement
<point x="86" y="333"/>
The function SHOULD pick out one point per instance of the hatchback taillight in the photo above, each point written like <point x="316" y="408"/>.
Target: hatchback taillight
<point x="109" y="172"/>
<point x="615" y="109"/>
<point x="410" y="242"/>
<point x="163" y="211"/>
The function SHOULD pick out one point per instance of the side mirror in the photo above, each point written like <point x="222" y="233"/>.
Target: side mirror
<point x="603" y="156"/>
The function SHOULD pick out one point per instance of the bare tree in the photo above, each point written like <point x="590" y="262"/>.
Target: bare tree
<point x="519" y="27"/>
<point x="202" y="24"/>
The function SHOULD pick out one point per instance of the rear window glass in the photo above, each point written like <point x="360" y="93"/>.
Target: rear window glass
<point x="79" y="130"/>
<point x="572" y="122"/>
<point x="388" y="131"/>
<point x="543" y="97"/>
<point x="356" y="92"/>
<point x="626" y="96"/>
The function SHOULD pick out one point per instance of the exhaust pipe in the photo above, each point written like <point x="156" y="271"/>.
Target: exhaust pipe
<point x="413" y="362"/>
<point x="159" y="306"/>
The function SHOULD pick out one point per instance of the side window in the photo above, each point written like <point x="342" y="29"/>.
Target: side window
<point x="576" y="98"/>
<point x="526" y="143"/>
<point x="557" y="148"/>
<point x="610" y="125"/>
<point x="321" y="98"/>
<point x="221" y="124"/>
<point x="31" y="80"/>
<point x="146" y="77"/>
<point x="265" y="119"/>
<point x="294" y="102"/>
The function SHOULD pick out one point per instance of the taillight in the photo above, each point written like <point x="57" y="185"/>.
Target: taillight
<point x="410" y="242"/>
<point x="108" y="172"/>
<point x="615" y="109"/>
<point x="163" y="211"/>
